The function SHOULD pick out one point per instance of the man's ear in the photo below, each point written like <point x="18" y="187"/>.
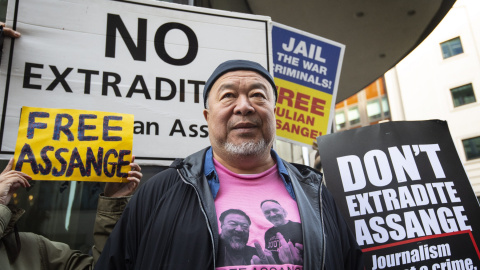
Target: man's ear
<point x="205" y="114"/>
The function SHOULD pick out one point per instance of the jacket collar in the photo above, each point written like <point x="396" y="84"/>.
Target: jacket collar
<point x="214" y="184"/>
<point x="199" y="167"/>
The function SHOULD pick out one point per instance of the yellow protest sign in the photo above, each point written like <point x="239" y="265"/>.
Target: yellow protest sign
<point x="74" y="145"/>
<point x="307" y="71"/>
<point x="302" y="113"/>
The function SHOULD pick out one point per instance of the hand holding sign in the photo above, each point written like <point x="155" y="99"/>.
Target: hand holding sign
<point x="9" y="32"/>
<point x="288" y="253"/>
<point x="125" y="188"/>
<point x="10" y="181"/>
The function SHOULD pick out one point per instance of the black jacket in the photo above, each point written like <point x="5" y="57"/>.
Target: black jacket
<point x="171" y="223"/>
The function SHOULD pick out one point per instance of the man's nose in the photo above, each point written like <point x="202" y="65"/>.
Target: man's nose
<point x="243" y="106"/>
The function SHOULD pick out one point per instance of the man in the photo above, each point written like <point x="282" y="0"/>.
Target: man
<point x="171" y="223"/>
<point x="21" y="250"/>
<point x="282" y="233"/>
<point x="235" y="225"/>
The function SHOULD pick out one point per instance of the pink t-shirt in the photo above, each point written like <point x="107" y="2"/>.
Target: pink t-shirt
<point x="245" y="194"/>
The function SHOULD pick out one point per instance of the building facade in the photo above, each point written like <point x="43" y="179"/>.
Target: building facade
<point x="440" y="79"/>
<point x="367" y="107"/>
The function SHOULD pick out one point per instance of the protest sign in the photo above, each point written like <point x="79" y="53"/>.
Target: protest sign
<point x="307" y="71"/>
<point x="146" y="58"/>
<point x="405" y="195"/>
<point x="66" y="144"/>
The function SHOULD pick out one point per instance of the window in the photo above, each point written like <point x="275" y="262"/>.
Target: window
<point x="472" y="148"/>
<point x="340" y="119"/>
<point x="385" y="107"/>
<point x="463" y="95"/>
<point x="451" y="47"/>
<point x="353" y="116"/>
<point x="374" y="111"/>
<point x="63" y="211"/>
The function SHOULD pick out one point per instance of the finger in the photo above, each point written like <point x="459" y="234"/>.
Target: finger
<point x="259" y="249"/>
<point x="270" y="258"/>
<point x="255" y="260"/>
<point x="133" y="158"/>
<point x="284" y="255"/>
<point x="14" y="188"/>
<point x="297" y="255"/>
<point x="299" y="246"/>
<point x="286" y="252"/>
<point x="23" y="175"/>
<point x="280" y="237"/>
<point x="17" y="174"/>
<point x="24" y="179"/>
<point x="17" y="180"/>
<point x="11" y="33"/>
<point x="9" y="166"/>
<point x="135" y="167"/>
<point x="133" y="180"/>
<point x="131" y="186"/>
<point x="292" y="248"/>
<point x="134" y="174"/>
<point x="24" y="182"/>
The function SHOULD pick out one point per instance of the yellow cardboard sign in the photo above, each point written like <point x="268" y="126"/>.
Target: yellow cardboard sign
<point x="74" y="145"/>
<point x="302" y="113"/>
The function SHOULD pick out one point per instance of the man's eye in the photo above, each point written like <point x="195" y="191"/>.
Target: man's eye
<point x="259" y="95"/>
<point x="227" y="95"/>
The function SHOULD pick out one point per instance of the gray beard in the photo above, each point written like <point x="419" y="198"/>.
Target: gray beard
<point x="246" y="148"/>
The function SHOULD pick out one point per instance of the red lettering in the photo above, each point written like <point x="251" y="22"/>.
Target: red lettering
<point x="317" y="107"/>
<point x="302" y="99"/>
<point x="279" y="124"/>
<point x="295" y="128"/>
<point x="286" y="94"/>
<point x="305" y="132"/>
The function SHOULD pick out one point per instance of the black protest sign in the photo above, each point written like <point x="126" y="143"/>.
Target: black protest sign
<point x="405" y="195"/>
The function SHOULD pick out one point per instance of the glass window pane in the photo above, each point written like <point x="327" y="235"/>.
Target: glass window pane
<point x="353" y="116"/>
<point x="385" y="107"/>
<point x="446" y="51"/>
<point x="374" y="111"/>
<point x="340" y="119"/>
<point x="472" y="148"/>
<point x="451" y="47"/>
<point x="463" y="95"/>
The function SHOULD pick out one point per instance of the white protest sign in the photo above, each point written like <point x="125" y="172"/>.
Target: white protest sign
<point x="146" y="58"/>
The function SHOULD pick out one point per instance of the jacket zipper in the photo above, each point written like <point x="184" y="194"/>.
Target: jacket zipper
<point x="204" y="213"/>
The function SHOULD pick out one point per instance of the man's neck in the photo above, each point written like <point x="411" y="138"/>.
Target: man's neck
<point x="245" y="164"/>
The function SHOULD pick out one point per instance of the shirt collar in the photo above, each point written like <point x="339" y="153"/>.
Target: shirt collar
<point x="214" y="183"/>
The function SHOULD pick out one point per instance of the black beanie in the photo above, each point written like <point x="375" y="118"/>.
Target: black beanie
<point x="232" y="65"/>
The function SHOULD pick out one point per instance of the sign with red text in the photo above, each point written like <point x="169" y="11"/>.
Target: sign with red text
<point x="307" y="71"/>
<point x="405" y="195"/>
<point x="65" y="144"/>
<point x="141" y="57"/>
